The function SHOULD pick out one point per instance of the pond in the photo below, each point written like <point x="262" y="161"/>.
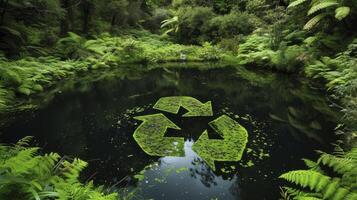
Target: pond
<point x="93" y="118"/>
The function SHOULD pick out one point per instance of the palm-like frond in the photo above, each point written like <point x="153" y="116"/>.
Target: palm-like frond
<point x="296" y="3"/>
<point x="321" y="5"/>
<point x="315" y="20"/>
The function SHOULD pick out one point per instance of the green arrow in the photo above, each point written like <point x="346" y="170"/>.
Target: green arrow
<point x="195" y="107"/>
<point x="231" y="148"/>
<point x="150" y="136"/>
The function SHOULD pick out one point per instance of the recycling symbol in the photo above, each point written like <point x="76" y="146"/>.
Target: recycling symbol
<point x="150" y="134"/>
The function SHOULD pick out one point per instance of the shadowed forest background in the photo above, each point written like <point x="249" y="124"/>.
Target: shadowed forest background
<point x="50" y="47"/>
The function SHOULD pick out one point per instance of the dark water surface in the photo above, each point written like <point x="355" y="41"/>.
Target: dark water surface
<point x="92" y="118"/>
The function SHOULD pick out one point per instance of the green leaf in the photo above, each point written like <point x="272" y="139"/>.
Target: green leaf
<point x="312" y="22"/>
<point x="296" y="3"/>
<point x="342" y="12"/>
<point x="321" y="6"/>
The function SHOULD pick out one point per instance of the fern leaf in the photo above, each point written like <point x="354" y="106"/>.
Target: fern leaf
<point x="331" y="189"/>
<point x="312" y="22"/>
<point x="339" y="165"/>
<point x="351" y="196"/>
<point x="308" y="198"/>
<point x="340" y="194"/>
<point x="342" y="12"/>
<point x="321" y="6"/>
<point x="24" y="142"/>
<point x="299" y="194"/>
<point x="306" y="178"/>
<point x="352" y="154"/>
<point x="296" y="3"/>
<point x="314" y="166"/>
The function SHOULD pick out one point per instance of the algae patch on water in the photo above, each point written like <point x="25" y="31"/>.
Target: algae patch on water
<point x="231" y="148"/>
<point x="194" y="107"/>
<point x="150" y="136"/>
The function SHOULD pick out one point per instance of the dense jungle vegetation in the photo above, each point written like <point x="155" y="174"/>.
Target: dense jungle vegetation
<point x="44" y="42"/>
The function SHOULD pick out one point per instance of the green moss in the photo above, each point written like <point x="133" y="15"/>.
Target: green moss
<point x="195" y="107"/>
<point x="182" y="169"/>
<point x="231" y="148"/>
<point x="150" y="136"/>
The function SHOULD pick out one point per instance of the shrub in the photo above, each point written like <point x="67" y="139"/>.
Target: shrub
<point x="230" y="44"/>
<point x="229" y="25"/>
<point x="290" y="58"/>
<point x="209" y="52"/>
<point x="193" y="20"/>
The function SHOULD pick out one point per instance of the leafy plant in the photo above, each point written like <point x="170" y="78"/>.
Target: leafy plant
<point x="321" y="9"/>
<point x="172" y="24"/>
<point x="25" y="174"/>
<point x="72" y="46"/>
<point x="316" y="183"/>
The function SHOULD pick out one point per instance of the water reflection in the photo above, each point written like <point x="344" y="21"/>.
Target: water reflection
<point x="92" y="118"/>
<point x="193" y="178"/>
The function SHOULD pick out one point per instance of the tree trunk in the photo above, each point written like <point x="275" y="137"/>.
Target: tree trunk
<point x="113" y="22"/>
<point x="86" y="14"/>
<point x="4" y="4"/>
<point x="65" y="4"/>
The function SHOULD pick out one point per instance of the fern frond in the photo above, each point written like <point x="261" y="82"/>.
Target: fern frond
<point x="21" y="162"/>
<point x="24" y="142"/>
<point x="72" y="170"/>
<point x="296" y="3"/>
<point x="315" y="20"/>
<point x="352" y="154"/>
<point x="321" y="5"/>
<point x="339" y="165"/>
<point x="329" y="188"/>
<point x="313" y="165"/>
<point x="308" y="198"/>
<point x="306" y="178"/>
<point x="342" y="12"/>
<point x="300" y="194"/>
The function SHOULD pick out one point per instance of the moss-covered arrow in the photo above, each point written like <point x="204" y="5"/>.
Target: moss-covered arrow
<point x="231" y="148"/>
<point x="195" y="107"/>
<point x="150" y="136"/>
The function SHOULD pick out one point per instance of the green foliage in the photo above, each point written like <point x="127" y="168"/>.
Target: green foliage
<point x="72" y="47"/>
<point x="338" y="72"/>
<point x="230" y="25"/>
<point x="296" y="3"/>
<point x="342" y="12"/>
<point x="255" y="50"/>
<point x="315" y="183"/>
<point x="290" y="58"/>
<point x="230" y="44"/>
<point x="29" y="76"/>
<point x="27" y="175"/>
<point x="193" y="20"/>
<point x="172" y="23"/>
<point x="319" y="5"/>
<point x="322" y="9"/>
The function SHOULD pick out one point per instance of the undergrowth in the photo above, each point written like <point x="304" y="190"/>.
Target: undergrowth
<point x="332" y="177"/>
<point x="74" y="54"/>
<point x="24" y="174"/>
